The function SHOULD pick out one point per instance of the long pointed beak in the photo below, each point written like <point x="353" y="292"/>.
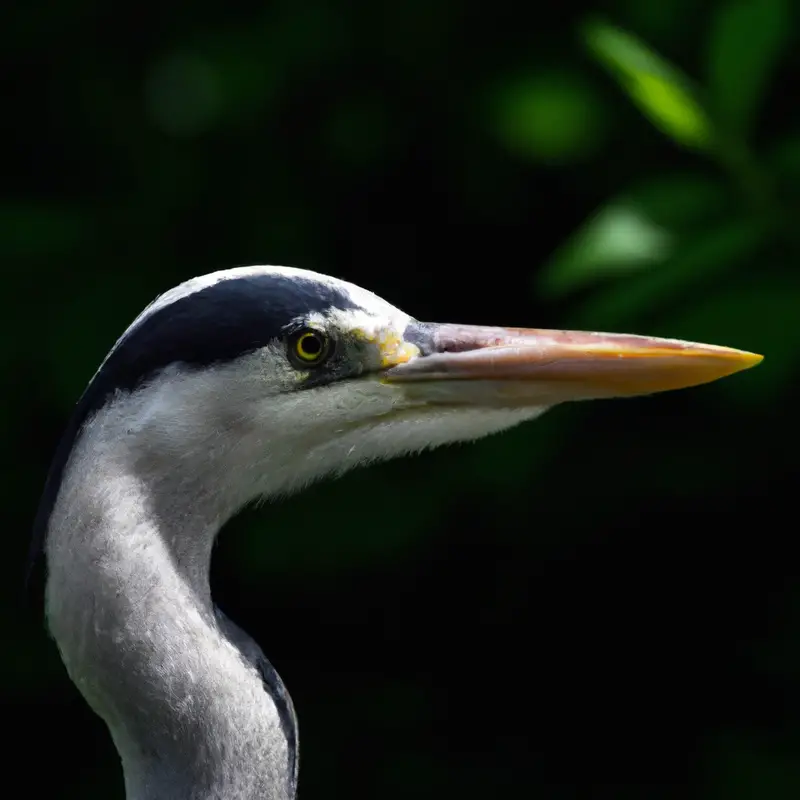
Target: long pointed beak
<point x="522" y="366"/>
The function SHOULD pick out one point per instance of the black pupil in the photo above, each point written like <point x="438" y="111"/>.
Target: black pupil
<point x="312" y="344"/>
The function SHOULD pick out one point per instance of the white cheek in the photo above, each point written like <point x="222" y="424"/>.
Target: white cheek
<point x="429" y="427"/>
<point x="398" y="434"/>
<point x="329" y="409"/>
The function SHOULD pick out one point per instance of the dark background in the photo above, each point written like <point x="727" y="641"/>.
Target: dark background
<point x="601" y="604"/>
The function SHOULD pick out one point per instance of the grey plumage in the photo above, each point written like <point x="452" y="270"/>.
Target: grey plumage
<point x="174" y="436"/>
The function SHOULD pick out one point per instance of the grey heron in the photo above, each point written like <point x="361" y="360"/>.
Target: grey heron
<point x="250" y="383"/>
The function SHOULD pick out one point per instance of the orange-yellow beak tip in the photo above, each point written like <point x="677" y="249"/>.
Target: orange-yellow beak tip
<point x="555" y="366"/>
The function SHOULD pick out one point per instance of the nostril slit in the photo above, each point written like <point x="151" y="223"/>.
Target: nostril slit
<point x="455" y="346"/>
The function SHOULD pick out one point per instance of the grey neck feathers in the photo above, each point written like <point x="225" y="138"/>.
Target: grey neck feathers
<point x="128" y="602"/>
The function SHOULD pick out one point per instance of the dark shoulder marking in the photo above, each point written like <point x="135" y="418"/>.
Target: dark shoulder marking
<point x="212" y="325"/>
<point x="276" y="688"/>
<point x="273" y="686"/>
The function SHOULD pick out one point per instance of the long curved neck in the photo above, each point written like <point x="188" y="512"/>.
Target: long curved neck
<point x="129" y="604"/>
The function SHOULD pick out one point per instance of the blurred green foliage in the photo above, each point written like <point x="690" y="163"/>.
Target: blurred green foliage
<point x="653" y="84"/>
<point x="632" y="165"/>
<point x="551" y="117"/>
<point x="678" y="233"/>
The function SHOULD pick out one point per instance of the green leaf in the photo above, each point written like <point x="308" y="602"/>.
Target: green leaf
<point x="707" y="256"/>
<point x="552" y="117"/>
<point x="683" y="202"/>
<point x="660" y="90"/>
<point x="634" y="232"/>
<point x="746" y="40"/>
<point x="617" y="240"/>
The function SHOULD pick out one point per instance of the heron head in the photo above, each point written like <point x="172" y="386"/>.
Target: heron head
<point x="261" y="379"/>
<point x="258" y="380"/>
<point x="316" y="375"/>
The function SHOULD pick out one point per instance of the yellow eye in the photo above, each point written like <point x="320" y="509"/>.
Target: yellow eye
<point x="309" y="347"/>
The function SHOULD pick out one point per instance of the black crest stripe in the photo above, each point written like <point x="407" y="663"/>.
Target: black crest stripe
<point x="214" y="324"/>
